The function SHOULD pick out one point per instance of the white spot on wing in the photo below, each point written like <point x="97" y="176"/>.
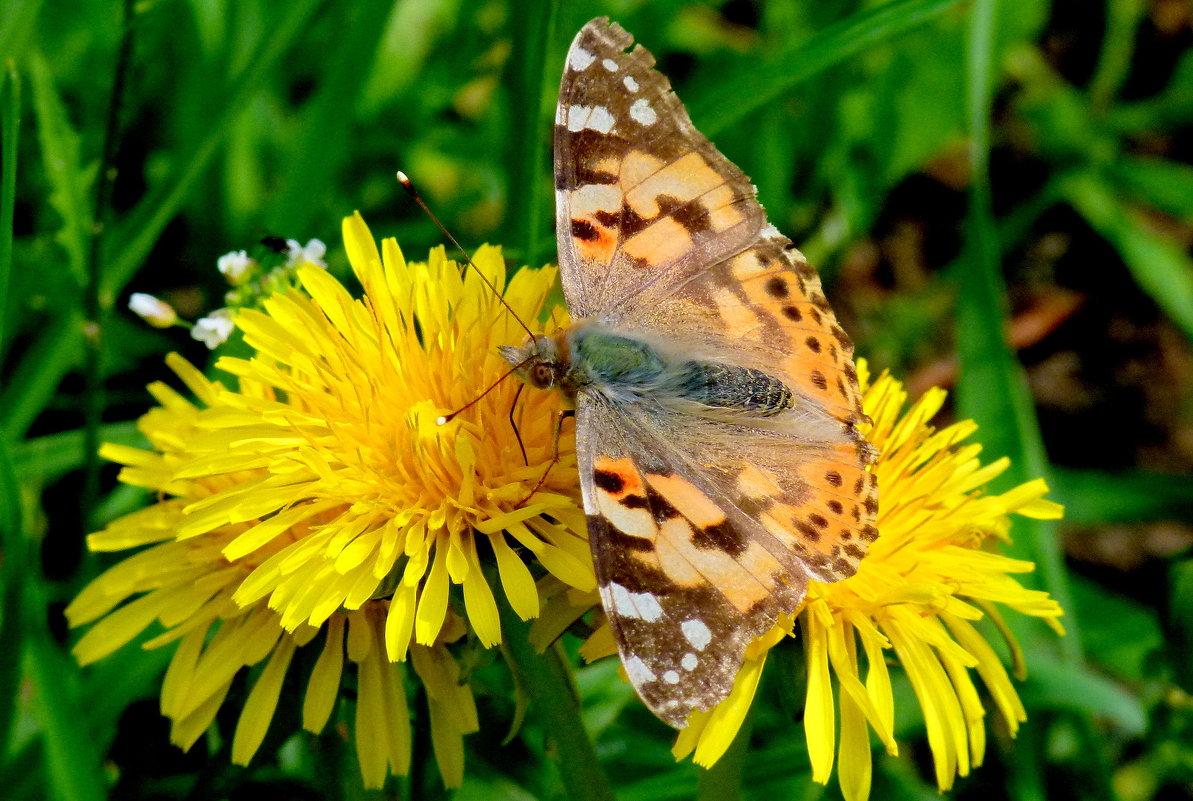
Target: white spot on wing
<point x="671" y="677"/>
<point x="648" y="606"/>
<point x="596" y="118"/>
<point x="638" y="671"/>
<point x="689" y="661"/>
<point x="630" y="83"/>
<point x="635" y="605"/>
<point x="642" y="112"/>
<point x="580" y="59"/>
<point x="697" y="633"/>
<point x="609" y="64"/>
<point x="561" y="114"/>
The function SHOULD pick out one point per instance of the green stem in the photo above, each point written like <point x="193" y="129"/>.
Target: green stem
<point x="723" y="780"/>
<point x="556" y="705"/>
<point x="96" y="304"/>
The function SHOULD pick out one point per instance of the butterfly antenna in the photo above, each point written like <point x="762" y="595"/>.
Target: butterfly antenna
<point x="410" y="190"/>
<point x="447" y="418"/>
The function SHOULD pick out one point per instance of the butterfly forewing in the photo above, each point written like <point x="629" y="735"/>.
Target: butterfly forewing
<point x="642" y="196"/>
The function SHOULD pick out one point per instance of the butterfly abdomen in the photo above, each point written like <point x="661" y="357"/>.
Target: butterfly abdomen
<point x="625" y="365"/>
<point x="725" y="386"/>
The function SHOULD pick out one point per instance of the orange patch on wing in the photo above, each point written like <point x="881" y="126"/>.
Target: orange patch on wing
<point x="615" y="482"/>
<point x="740" y="320"/>
<point x="636" y="167"/>
<point x="663" y="242"/>
<point x="754" y="483"/>
<point x="723" y="212"/>
<point x="687" y="498"/>
<point x="685" y="178"/>
<point x="841" y="509"/>
<point x="743" y="585"/>
<point x="820" y="363"/>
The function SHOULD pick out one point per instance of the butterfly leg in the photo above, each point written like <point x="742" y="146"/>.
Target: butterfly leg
<point x="514" y="424"/>
<point x="563" y="415"/>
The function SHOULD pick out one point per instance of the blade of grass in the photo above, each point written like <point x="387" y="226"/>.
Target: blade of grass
<point x="744" y="88"/>
<point x="1164" y="184"/>
<point x="532" y="26"/>
<point x="1161" y="267"/>
<point x="12" y="572"/>
<point x="322" y="146"/>
<point x="992" y="389"/>
<point x="56" y="351"/>
<point x="95" y="309"/>
<point x="15" y="26"/>
<point x="72" y="759"/>
<point x="1118" y="45"/>
<point x="34" y="381"/>
<point x="10" y="127"/>
<point x="45" y="458"/>
<point x="142" y="227"/>
<point x="69" y="181"/>
<point x="1092" y="496"/>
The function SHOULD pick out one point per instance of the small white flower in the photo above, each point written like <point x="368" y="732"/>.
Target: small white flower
<point x="156" y="312"/>
<point x="312" y="253"/>
<point x="235" y="266"/>
<point x="214" y="329"/>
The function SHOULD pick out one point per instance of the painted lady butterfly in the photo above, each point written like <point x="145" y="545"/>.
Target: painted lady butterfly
<point x="715" y="395"/>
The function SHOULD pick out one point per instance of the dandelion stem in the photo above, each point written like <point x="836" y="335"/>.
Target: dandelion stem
<point x="553" y="700"/>
<point x="722" y="781"/>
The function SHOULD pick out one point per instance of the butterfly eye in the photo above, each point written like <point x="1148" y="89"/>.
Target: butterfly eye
<point x="541" y="376"/>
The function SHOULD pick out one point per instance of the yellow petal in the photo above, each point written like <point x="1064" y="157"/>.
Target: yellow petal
<point x="324" y="684"/>
<point x="819" y="719"/>
<point x="262" y="701"/>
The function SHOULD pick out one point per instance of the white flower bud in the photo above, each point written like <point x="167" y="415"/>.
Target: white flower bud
<point x="214" y="329"/>
<point x="312" y="253"/>
<point x="156" y="312"/>
<point x="235" y="266"/>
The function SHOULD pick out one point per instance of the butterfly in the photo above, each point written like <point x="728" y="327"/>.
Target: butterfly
<point x="716" y="400"/>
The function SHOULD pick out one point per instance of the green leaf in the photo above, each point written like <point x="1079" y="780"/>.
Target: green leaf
<point x="1121" y="635"/>
<point x="1061" y="686"/>
<point x="70" y="182"/>
<point x="1161" y="267"/>
<point x="1179" y="622"/>
<point x="1091" y="497"/>
<point x="744" y="87"/>
<point x="45" y="458"/>
<point x="1167" y="185"/>
<point x="992" y="388"/>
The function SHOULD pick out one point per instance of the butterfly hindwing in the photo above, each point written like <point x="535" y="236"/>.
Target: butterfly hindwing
<point x="686" y="580"/>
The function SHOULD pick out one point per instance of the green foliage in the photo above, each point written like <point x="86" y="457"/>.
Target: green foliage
<point x="266" y="117"/>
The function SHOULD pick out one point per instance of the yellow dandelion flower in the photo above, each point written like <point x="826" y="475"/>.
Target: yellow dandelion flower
<point x="321" y="504"/>
<point x="914" y="600"/>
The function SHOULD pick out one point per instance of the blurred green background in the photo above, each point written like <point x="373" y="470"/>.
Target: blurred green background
<point x="998" y="194"/>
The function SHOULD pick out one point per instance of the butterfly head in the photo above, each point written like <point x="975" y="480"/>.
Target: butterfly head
<point x="540" y="362"/>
